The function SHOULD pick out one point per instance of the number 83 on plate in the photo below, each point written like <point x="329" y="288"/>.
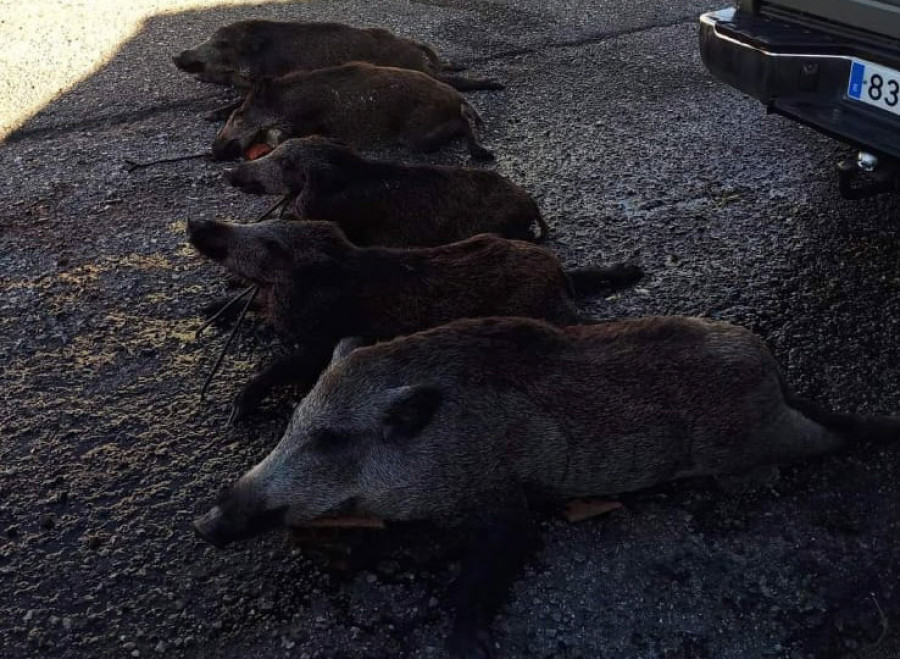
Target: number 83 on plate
<point x="875" y="85"/>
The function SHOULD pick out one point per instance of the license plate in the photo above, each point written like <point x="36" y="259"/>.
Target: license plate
<point x="875" y="85"/>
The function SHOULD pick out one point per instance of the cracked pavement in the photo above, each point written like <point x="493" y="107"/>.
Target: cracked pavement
<point x="633" y="152"/>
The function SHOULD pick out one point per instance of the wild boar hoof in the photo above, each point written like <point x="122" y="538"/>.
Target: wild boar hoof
<point x="469" y="643"/>
<point x="481" y="154"/>
<point x="245" y="403"/>
<point x="239" y="412"/>
<point x="631" y="273"/>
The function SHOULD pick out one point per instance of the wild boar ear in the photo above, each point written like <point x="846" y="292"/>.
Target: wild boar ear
<point x="261" y="89"/>
<point x="408" y="411"/>
<point x="336" y="142"/>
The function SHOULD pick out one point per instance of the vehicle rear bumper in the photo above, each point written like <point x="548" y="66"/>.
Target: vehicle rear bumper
<point x="799" y="72"/>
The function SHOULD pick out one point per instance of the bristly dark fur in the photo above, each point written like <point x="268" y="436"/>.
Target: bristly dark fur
<point x="496" y="408"/>
<point x="244" y="52"/>
<point x="318" y="288"/>
<point x="391" y="204"/>
<point x="358" y="103"/>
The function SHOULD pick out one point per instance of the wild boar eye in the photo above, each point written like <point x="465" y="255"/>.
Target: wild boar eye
<point x="275" y="248"/>
<point x="329" y="441"/>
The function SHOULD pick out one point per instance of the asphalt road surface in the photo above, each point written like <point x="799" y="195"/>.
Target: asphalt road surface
<point x="633" y="152"/>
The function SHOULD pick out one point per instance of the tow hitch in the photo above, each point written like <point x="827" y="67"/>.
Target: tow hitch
<point x="867" y="175"/>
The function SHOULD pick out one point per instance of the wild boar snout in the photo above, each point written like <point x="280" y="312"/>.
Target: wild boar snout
<point x="235" y="519"/>
<point x="208" y="237"/>
<point x="213" y="528"/>
<point x="233" y="176"/>
<point x="188" y="62"/>
<point x="239" y="178"/>
<point x="226" y="149"/>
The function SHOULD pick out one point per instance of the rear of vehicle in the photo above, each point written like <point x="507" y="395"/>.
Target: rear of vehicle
<point x="831" y="64"/>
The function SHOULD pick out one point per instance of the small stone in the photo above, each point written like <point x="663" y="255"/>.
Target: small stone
<point x="135" y="653"/>
<point x="67" y="623"/>
<point x="160" y="648"/>
<point x="371" y="578"/>
<point x="28" y="615"/>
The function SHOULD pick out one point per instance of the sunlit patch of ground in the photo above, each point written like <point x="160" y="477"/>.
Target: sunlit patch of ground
<point x="46" y="48"/>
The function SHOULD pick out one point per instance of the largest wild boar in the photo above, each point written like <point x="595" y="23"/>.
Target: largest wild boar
<point x="246" y="52"/>
<point x="468" y="423"/>
<point x="318" y="288"/>
<point x="361" y="104"/>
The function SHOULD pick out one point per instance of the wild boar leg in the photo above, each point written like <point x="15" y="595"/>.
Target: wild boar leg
<point x="470" y="122"/>
<point x="441" y="135"/>
<point x="300" y="368"/>
<point x="224" y="310"/>
<point x="453" y="67"/>
<point x="498" y="548"/>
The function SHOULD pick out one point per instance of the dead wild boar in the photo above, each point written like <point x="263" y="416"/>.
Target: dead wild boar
<point x="386" y="203"/>
<point x="316" y="287"/>
<point x="467" y="423"/>
<point x="246" y="52"/>
<point x="361" y="104"/>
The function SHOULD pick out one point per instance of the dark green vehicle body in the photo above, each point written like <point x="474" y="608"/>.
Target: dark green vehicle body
<point x="795" y="56"/>
<point x="876" y="16"/>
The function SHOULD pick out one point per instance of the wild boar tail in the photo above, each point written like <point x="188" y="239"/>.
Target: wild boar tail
<point x="471" y="115"/>
<point x="464" y="84"/>
<point x="452" y="66"/>
<point x="437" y="64"/>
<point x="470" y="121"/>
<point x="603" y="279"/>
<point x="849" y="428"/>
<point x="543" y="228"/>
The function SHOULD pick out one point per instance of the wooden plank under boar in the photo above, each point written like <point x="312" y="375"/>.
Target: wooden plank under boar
<point x="577" y="510"/>
<point x="346" y="523"/>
